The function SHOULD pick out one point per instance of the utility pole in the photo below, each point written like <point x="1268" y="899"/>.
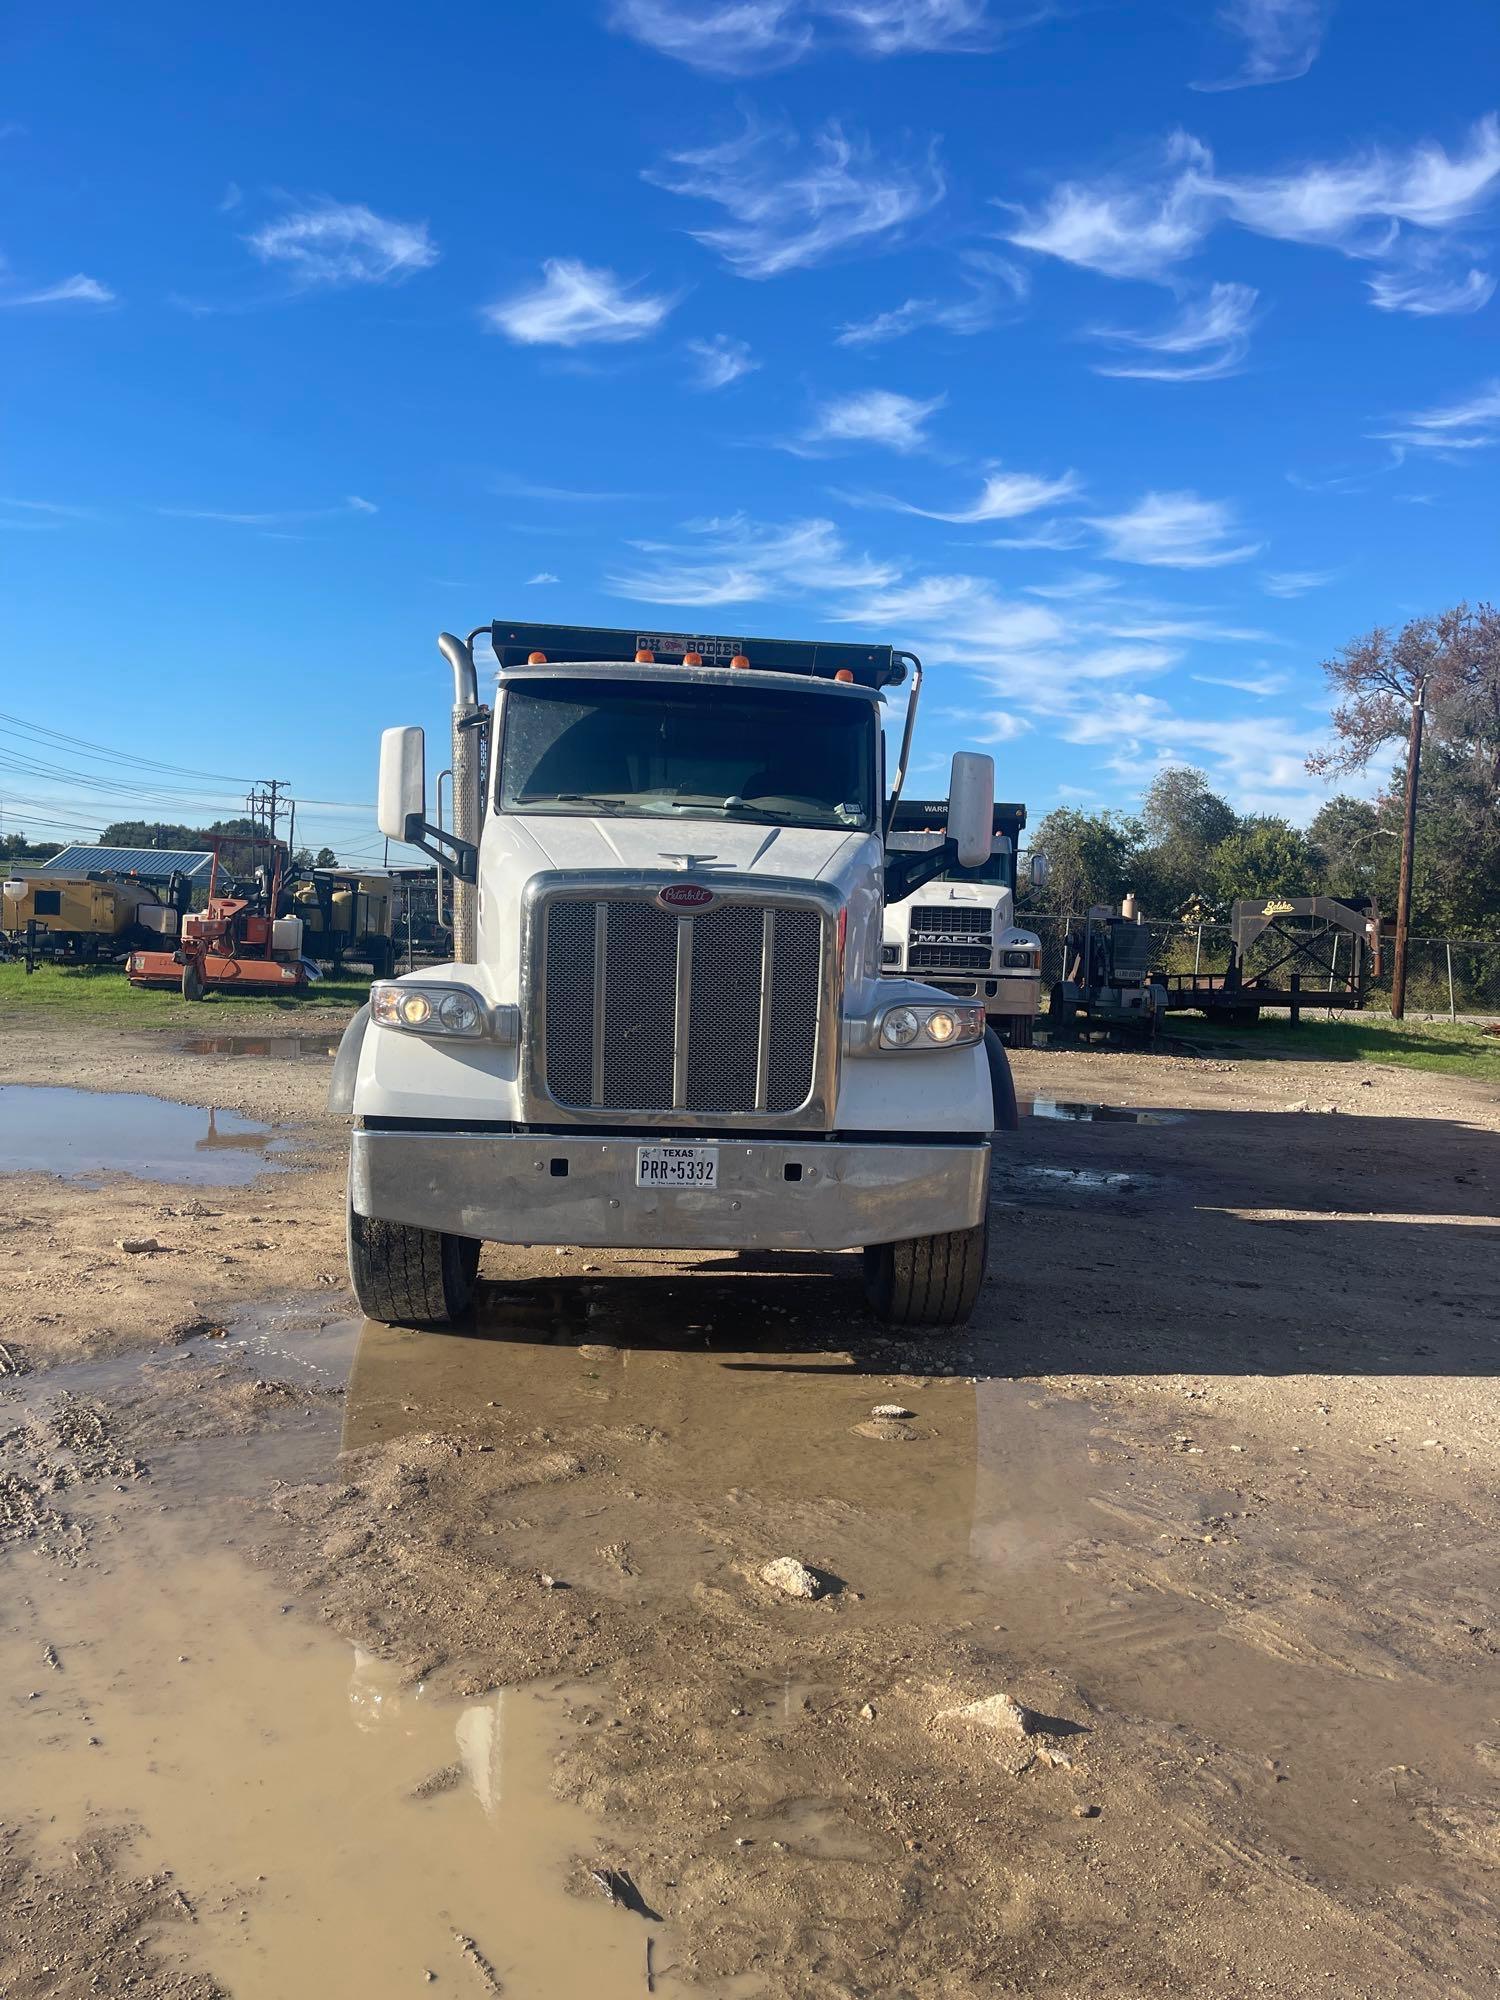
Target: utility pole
<point x="266" y="799"/>
<point x="1408" y="847"/>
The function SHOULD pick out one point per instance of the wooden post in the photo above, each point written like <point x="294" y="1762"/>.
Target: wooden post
<point x="1296" y="1009"/>
<point x="1408" y="846"/>
<point x="1452" y="1008"/>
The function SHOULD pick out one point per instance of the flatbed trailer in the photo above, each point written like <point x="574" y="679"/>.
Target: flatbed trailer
<point x="1305" y="971"/>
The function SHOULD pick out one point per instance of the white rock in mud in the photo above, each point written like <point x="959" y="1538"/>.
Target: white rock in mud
<point x="791" y="1578"/>
<point x="891" y="1413"/>
<point x="999" y="1712"/>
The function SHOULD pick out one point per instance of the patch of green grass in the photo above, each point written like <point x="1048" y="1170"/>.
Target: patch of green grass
<point x="102" y="993"/>
<point x="1453" y="1048"/>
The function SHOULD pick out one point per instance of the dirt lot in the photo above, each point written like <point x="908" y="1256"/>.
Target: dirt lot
<point x="341" y="1659"/>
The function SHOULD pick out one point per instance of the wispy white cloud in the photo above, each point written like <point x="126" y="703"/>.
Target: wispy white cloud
<point x="730" y="38"/>
<point x="1003" y="497"/>
<point x="1356" y="204"/>
<point x="1125" y="231"/>
<point x="1429" y="293"/>
<point x="1297" y="582"/>
<point x="55" y="508"/>
<point x="75" y="291"/>
<point x="1382" y="206"/>
<point x="872" y="416"/>
<point x="1049" y="535"/>
<point x="1261" y="685"/>
<point x="1216" y="327"/>
<point x="576" y="304"/>
<point x="542" y="576"/>
<point x="753" y="37"/>
<point x="1281" y="37"/>
<point x="512" y="488"/>
<point x="788" y="209"/>
<point x="991" y="285"/>
<point x="231" y="198"/>
<point x="344" y="243"/>
<point x="909" y="27"/>
<point x="721" y="360"/>
<point x="279" y="518"/>
<point x="1174" y="531"/>
<point x="1469" y="425"/>
<point x="739" y="561"/>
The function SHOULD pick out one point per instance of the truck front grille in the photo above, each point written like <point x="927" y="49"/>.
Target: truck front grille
<point x="647" y="1010"/>
<point x="944" y="938"/>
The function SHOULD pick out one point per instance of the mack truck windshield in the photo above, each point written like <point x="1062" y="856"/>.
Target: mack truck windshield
<point x="666" y="1024"/>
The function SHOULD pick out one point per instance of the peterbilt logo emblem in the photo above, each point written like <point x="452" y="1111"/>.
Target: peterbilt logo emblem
<point x="686" y="896"/>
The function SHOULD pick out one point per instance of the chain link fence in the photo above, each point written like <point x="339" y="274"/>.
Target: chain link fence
<point x="1443" y="975"/>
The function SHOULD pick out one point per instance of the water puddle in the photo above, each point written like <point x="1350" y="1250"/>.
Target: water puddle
<point x="1077" y="1113"/>
<point x="276" y="1048"/>
<point x="1090" y="1180"/>
<point x="80" y="1134"/>
<point x="330" y="1830"/>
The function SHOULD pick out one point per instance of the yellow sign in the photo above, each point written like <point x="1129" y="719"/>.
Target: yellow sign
<point x="1277" y="910"/>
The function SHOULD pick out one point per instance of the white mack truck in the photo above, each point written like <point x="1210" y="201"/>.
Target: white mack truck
<point x="666" y="1023"/>
<point x="959" y="931"/>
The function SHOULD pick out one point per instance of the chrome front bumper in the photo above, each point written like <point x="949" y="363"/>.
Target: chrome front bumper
<point x="516" y="1188"/>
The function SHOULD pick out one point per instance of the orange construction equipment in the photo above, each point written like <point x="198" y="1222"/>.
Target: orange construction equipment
<point x="233" y="942"/>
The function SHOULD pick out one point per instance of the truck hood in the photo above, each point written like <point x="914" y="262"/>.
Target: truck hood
<point x="702" y="848"/>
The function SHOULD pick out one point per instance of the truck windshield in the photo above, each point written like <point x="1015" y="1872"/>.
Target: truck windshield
<point x="651" y="749"/>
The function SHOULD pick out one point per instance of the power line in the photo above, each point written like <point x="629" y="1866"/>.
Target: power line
<point x="36" y="729"/>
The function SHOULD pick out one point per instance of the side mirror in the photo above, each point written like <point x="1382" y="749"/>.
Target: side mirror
<point x="971" y="807"/>
<point x="1041" y="868"/>
<point x="402" y="796"/>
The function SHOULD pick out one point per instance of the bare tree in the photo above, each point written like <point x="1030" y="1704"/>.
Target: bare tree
<point x="1387" y="682"/>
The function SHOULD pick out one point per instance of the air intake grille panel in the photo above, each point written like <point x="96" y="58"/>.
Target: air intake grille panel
<point x="647" y="1010"/>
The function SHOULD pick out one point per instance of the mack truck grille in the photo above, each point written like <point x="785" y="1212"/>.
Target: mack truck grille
<point x="649" y="1010"/>
<point x="947" y="939"/>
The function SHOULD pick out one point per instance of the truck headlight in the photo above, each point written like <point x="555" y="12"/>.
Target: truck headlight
<point x="1019" y="958"/>
<point x="428" y="1010"/>
<point x="930" y="1027"/>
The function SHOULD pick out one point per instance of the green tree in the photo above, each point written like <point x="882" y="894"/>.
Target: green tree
<point x="325" y="858"/>
<point x="1355" y="848"/>
<point x="1182" y="824"/>
<point x="1088" y="858"/>
<point x="1262" y="856"/>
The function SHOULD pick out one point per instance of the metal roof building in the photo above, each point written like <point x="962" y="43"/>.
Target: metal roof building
<point x="148" y="864"/>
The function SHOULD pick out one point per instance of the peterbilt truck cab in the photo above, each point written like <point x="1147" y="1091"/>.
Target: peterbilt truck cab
<point x="666" y="1024"/>
<point x="958" y="930"/>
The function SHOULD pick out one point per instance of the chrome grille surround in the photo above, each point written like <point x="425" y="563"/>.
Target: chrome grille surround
<point x="643" y="1016"/>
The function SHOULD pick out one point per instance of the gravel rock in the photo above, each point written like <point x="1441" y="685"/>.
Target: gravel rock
<point x="1001" y="1712"/>
<point x="138" y="1246"/>
<point x="791" y="1578"/>
<point x="891" y="1413"/>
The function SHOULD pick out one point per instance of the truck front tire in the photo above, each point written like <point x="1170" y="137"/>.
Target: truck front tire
<point x="927" y="1280"/>
<point x="410" y="1277"/>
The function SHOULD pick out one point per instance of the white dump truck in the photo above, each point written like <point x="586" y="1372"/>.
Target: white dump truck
<point x="958" y="930"/>
<point x="666" y="1023"/>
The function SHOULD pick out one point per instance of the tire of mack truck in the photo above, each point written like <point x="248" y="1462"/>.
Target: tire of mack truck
<point x="666" y="1026"/>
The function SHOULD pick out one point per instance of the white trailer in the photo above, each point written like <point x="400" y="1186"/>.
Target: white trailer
<point x="666" y="1024"/>
<point x="958" y="929"/>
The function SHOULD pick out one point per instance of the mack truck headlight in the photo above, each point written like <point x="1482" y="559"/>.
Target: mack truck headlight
<point x="930" y="1027"/>
<point x="429" y="1010"/>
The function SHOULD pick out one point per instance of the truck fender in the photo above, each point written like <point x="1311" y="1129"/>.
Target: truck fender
<point x="346" y="1065"/>
<point x="1002" y="1084"/>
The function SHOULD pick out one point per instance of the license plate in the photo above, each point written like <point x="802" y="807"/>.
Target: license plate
<point x="677" y="1166"/>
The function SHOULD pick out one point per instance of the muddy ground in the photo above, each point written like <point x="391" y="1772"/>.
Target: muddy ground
<point x="341" y="1659"/>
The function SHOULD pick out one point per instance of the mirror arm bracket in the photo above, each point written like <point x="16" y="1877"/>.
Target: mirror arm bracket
<point x="905" y="873"/>
<point x="459" y="857"/>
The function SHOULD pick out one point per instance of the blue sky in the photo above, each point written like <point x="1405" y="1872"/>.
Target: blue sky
<point x="1121" y="359"/>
